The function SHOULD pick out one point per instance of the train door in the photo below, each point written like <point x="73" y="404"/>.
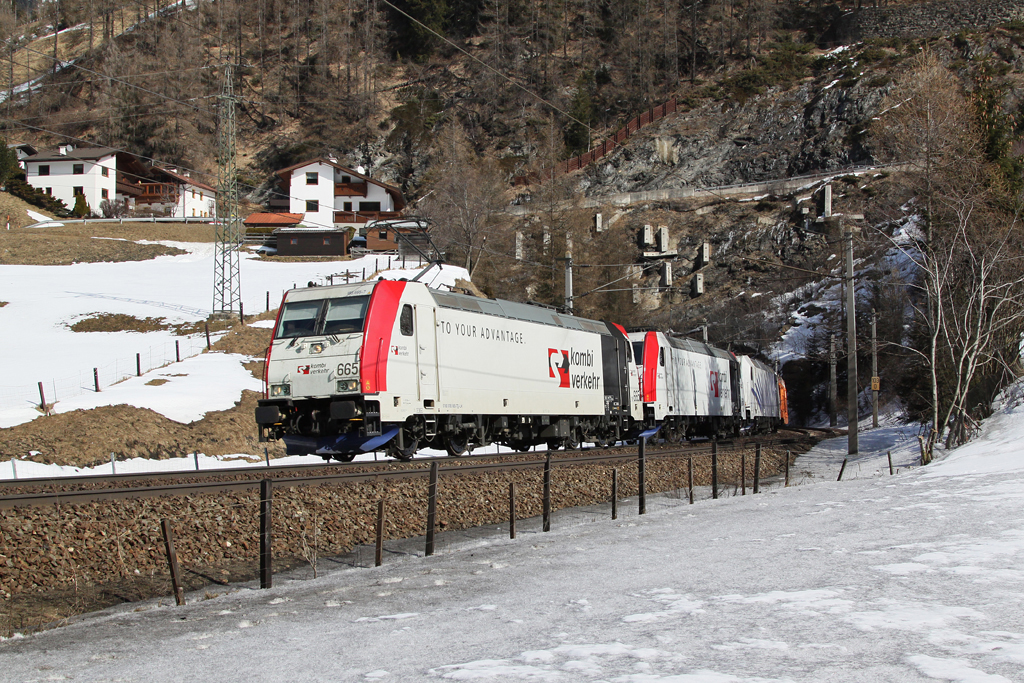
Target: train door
<point x="426" y="351"/>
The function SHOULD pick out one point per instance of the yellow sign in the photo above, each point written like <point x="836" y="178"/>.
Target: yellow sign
<point x="875" y="384"/>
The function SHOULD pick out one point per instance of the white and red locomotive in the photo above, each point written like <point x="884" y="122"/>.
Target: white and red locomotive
<point x="395" y="365"/>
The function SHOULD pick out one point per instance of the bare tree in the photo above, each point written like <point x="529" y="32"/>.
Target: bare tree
<point x="465" y="193"/>
<point x="969" y="278"/>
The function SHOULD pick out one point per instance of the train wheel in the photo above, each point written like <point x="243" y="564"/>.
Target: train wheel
<point x="521" y="446"/>
<point x="411" y="446"/>
<point x="672" y="434"/>
<point x="457" y="444"/>
<point x="344" y="457"/>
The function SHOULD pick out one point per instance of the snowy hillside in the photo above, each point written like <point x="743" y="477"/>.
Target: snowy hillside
<point x="42" y="301"/>
<point x="912" y="577"/>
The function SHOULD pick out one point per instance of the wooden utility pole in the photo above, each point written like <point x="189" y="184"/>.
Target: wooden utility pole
<point x="875" y="383"/>
<point x="851" y="348"/>
<point x="833" y="392"/>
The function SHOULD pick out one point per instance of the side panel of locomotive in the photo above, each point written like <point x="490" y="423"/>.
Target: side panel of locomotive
<point x="500" y="366"/>
<point x="759" y="390"/>
<point x="685" y="382"/>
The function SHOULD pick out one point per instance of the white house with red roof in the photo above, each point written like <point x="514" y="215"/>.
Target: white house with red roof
<point x="330" y="195"/>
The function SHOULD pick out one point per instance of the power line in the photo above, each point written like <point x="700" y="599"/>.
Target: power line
<point x="486" y="65"/>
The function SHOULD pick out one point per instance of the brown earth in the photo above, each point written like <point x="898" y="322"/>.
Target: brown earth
<point x="40" y="247"/>
<point x="84" y="438"/>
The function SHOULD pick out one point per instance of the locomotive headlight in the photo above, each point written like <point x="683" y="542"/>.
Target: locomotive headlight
<point x="280" y="390"/>
<point x="347" y="385"/>
<point x="316" y="348"/>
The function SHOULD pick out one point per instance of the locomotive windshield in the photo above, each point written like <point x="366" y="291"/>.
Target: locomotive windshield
<point x="638" y="352"/>
<point x="322" y="316"/>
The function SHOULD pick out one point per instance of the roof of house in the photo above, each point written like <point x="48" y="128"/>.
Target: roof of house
<point x="184" y="179"/>
<point x="310" y="230"/>
<point x="396" y="194"/>
<point x="83" y="154"/>
<point x="268" y="219"/>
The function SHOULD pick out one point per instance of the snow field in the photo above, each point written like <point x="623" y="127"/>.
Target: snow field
<point x="914" y="577"/>
<point x="42" y="301"/>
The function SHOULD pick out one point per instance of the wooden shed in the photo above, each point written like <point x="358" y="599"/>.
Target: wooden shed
<point x="303" y="241"/>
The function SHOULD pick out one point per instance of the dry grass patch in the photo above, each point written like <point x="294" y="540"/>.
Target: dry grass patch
<point x="157" y="382"/>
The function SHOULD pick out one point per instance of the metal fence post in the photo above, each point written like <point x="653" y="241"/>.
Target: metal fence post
<point x="714" y="469"/>
<point x="689" y="476"/>
<point x="172" y="561"/>
<point x="431" y="509"/>
<point x="842" y="469"/>
<point x="743" y="473"/>
<point x="757" y="468"/>
<point x="547" y="493"/>
<point x="615" y="493"/>
<point x="641" y="467"/>
<point x="266" y="540"/>
<point x="512" y="510"/>
<point x="378" y="557"/>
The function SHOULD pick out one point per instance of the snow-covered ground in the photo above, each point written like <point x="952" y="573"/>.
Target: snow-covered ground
<point x="38" y="346"/>
<point x="912" y="577"/>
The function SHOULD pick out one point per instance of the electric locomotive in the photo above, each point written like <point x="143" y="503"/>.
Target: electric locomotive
<point x="395" y="365"/>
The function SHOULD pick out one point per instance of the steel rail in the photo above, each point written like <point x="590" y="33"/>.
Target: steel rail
<point x="88" y="496"/>
<point x="275" y="470"/>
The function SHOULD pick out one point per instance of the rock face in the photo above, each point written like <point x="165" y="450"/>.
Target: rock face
<point x="927" y="19"/>
<point x="812" y="127"/>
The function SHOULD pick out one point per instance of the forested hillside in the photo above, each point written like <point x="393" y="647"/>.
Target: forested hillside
<point x="530" y="81"/>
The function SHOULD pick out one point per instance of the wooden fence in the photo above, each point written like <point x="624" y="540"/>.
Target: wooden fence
<point x="576" y="163"/>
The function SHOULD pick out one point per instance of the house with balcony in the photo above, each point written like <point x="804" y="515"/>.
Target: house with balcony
<point x="173" y="192"/>
<point x="97" y="173"/>
<point x="329" y="195"/>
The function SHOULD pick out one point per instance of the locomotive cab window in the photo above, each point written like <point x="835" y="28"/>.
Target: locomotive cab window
<point x="330" y="316"/>
<point x="661" y="357"/>
<point x="638" y="352"/>
<point x="298" y="319"/>
<point x="405" y="323"/>
<point x="345" y="316"/>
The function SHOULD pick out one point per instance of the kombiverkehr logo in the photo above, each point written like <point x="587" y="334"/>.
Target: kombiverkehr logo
<point x="572" y="369"/>
<point x="563" y="368"/>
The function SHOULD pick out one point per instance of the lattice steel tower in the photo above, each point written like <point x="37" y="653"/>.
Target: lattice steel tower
<point x="227" y="280"/>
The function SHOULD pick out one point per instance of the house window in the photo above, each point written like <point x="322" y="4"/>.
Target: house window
<point x="346" y="179"/>
<point x="295" y="240"/>
<point x="327" y="241"/>
<point x="78" y="169"/>
<point x="382" y="234"/>
<point x="200" y="195"/>
<point x="44" y="169"/>
<point x="312" y="205"/>
<point x="105" y="171"/>
<point x="49" y="191"/>
<point x="78" y="190"/>
<point x="103" y="194"/>
<point x="369" y="206"/>
<point x="347" y="206"/>
<point x="312" y="178"/>
<point x="193" y="194"/>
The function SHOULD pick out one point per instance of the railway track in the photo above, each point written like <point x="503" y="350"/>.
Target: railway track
<point x="91" y="488"/>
